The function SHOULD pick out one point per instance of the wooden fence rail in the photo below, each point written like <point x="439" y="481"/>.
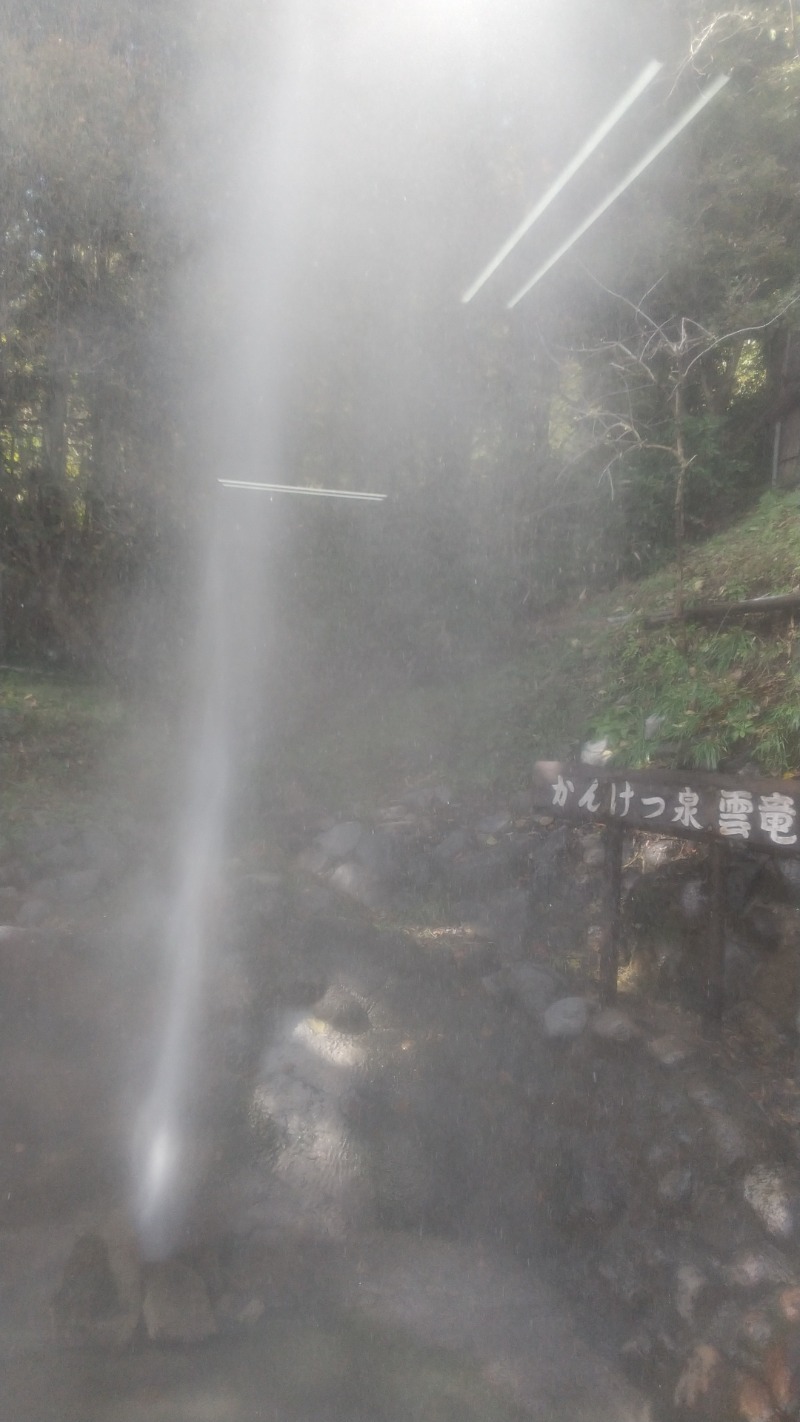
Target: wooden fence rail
<point x="763" y="814"/>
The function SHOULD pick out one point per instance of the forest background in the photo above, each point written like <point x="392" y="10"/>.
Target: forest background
<point x="532" y="456"/>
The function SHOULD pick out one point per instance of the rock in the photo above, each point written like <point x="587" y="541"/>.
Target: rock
<point x="622" y="1275"/>
<point x="342" y="1011"/>
<point x="728" y="1137"/>
<point x="482" y="871"/>
<point x="690" y="1284"/>
<point x="611" y="1025"/>
<point x="99" y="1299"/>
<point x="754" y="1403"/>
<point x="312" y="860"/>
<point x="176" y="1307"/>
<point x="764" y="926"/>
<point x="261" y="900"/>
<point x="426" y="797"/>
<point x="358" y="883"/>
<point x="87" y="1292"/>
<point x="789" y="1304"/>
<point x="317" y="900"/>
<point x="567" y="1017"/>
<point x="753" y="1268"/>
<point x="593" y="848"/>
<point x="506" y="920"/>
<point x="782" y="1373"/>
<point x="232" y="1312"/>
<point x="340" y="840"/>
<point x="494" y="824"/>
<point x="453" y="844"/>
<point x="742" y="1334"/>
<point x="379" y="851"/>
<point x="601" y="1199"/>
<point x="251" y="1312"/>
<point x="594" y="854"/>
<point x="596" y="752"/>
<point x="652" y="725"/>
<point x="655" y="852"/>
<point x="699" y="1383"/>
<point x="674" y="1189"/>
<point x="774" y="1198"/>
<point x="396" y="817"/>
<point x="669" y="1050"/>
<point x="694" y="900"/>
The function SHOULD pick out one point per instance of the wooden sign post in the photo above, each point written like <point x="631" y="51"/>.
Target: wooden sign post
<point x="723" y="810"/>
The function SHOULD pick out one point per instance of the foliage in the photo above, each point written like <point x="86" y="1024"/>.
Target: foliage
<point x="715" y="692"/>
<point x="529" y="455"/>
<point x="726" y="694"/>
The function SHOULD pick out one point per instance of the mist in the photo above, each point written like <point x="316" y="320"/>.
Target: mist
<point x="397" y="892"/>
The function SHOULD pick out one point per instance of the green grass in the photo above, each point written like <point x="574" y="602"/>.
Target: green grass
<point x="720" y="690"/>
<point x="587" y="671"/>
<point x="54" y="732"/>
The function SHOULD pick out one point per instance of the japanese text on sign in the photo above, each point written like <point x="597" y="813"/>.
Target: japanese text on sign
<point x="763" y="813"/>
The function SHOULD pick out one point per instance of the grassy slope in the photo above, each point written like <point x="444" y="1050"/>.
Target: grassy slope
<point x="721" y="692"/>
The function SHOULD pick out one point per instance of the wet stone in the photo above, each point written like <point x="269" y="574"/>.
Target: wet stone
<point x="756" y="1267"/>
<point x="233" y="1312"/>
<point x="742" y="1333"/>
<point x="774" y="1198"/>
<point x="176" y="1307"/>
<point x="690" y="1284"/>
<point x="729" y="1140"/>
<point x="358" y="883"/>
<point x="782" y="1374"/>
<point x="340" y="840"/>
<point x="611" y="1025"/>
<point x="567" y="1017"/>
<point x="312" y="860"/>
<point x="700" y="1387"/>
<point x="505" y="920"/>
<point x="669" y="1050"/>
<point x="674" y="1189"/>
<point x="453" y="844"/>
<point x="99" y="1299"/>
<point x="593" y="851"/>
<point x="494" y="824"/>
<point x="342" y="1011"/>
<point x="753" y="1401"/>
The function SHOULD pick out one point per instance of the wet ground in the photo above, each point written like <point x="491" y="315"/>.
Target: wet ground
<point x="389" y="1327"/>
<point x="352" y="1184"/>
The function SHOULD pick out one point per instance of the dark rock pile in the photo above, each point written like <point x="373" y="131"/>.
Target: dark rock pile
<point x="456" y="1080"/>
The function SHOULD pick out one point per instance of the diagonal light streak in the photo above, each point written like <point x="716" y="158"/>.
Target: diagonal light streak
<point x="299" y="489"/>
<point x="633" y="173"/>
<point x="603" y="129"/>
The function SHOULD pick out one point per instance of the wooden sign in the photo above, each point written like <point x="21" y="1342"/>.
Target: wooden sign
<point x="763" y="814"/>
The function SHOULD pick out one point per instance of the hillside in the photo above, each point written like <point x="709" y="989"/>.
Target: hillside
<point x="717" y="694"/>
